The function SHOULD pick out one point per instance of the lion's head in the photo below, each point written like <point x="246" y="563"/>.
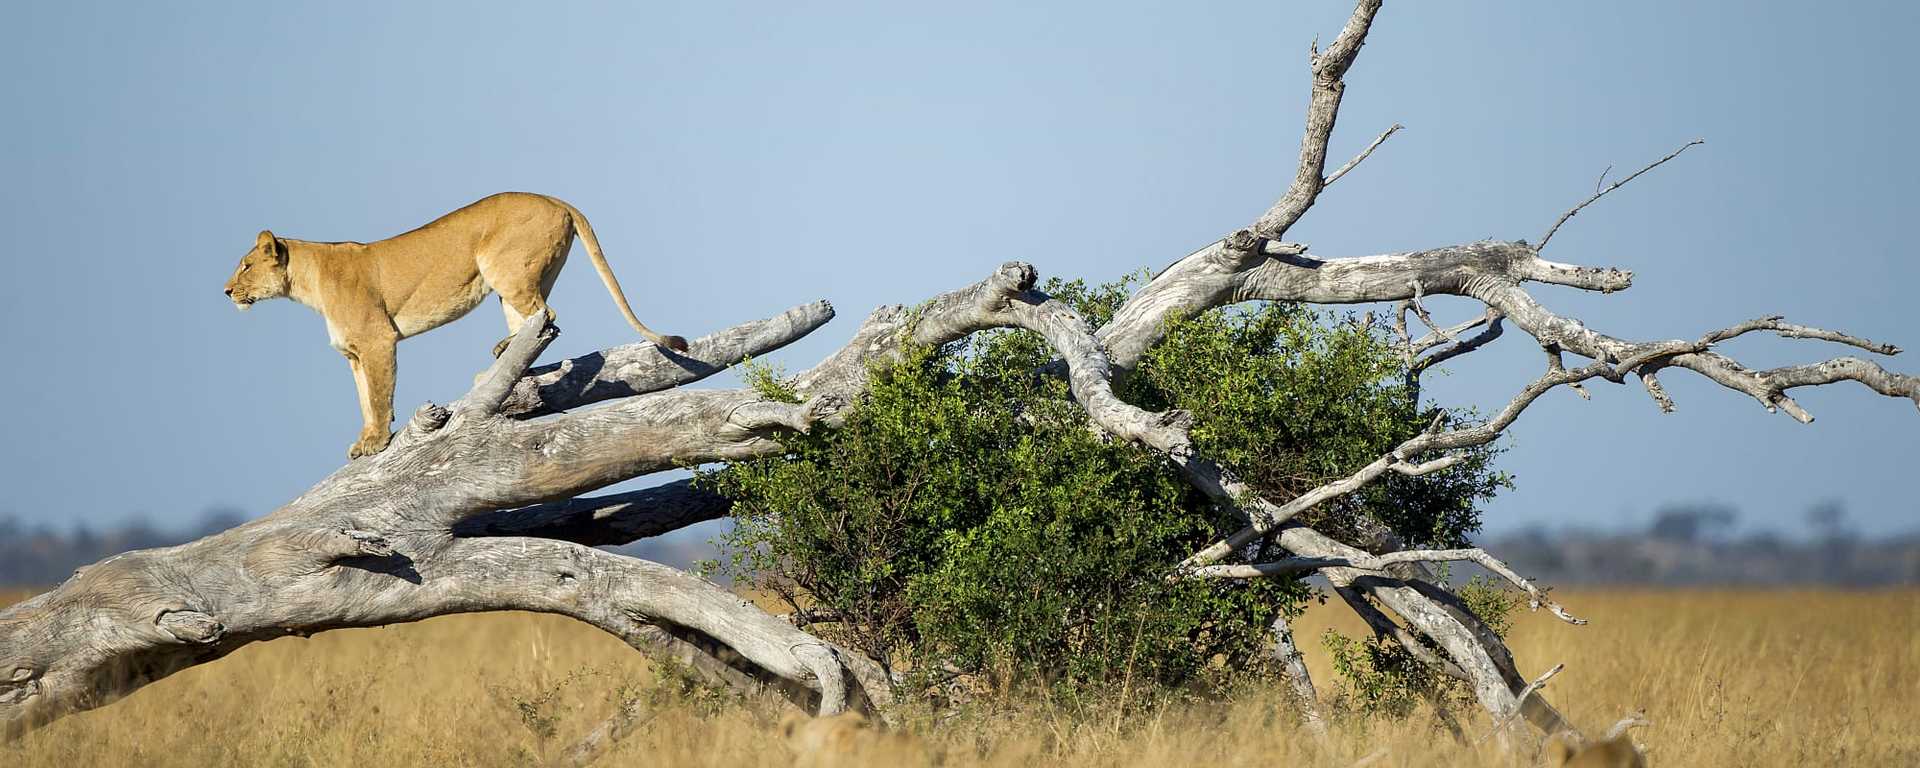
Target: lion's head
<point x="262" y="273"/>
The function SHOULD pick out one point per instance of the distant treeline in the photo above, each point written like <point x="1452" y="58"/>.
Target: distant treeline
<point x="1685" y="545"/>
<point x="1694" y="545"/>
<point x="39" y="555"/>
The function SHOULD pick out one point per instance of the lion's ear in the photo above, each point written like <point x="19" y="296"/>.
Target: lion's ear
<point x="272" y="245"/>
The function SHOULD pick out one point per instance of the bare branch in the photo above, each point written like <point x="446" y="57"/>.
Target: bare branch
<point x="1381" y="564"/>
<point x="1451" y="333"/>
<point x="1323" y="107"/>
<point x="1478" y="340"/>
<point x="1384" y="628"/>
<point x="1792" y="331"/>
<point x="1656" y="351"/>
<point x="1654" y="390"/>
<point x="1602" y="193"/>
<point x="1299" y="680"/>
<point x="1536" y="597"/>
<point x="1635" y="720"/>
<point x="1420" y="311"/>
<point x="1768" y="387"/>
<point x="1284" y="567"/>
<point x="634" y="369"/>
<point x="1604" y="280"/>
<point x="1407" y="349"/>
<point x="1541" y="681"/>
<point x="1214" y="276"/>
<point x="1526" y="693"/>
<point x="1779" y="380"/>
<point x="1351" y="164"/>
<point x="1426" y="467"/>
<point x="1556" y="365"/>
<point x="490" y="390"/>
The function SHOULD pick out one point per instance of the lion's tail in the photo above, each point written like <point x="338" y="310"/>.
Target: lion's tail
<point x="592" y="244"/>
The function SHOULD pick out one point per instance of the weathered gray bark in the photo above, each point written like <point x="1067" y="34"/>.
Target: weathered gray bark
<point x="633" y="369"/>
<point x="1299" y="680"/>
<point x="478" y="506"/>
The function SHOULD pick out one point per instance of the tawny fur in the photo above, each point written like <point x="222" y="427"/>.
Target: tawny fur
<point x="823" y="742"/>
<point x="375" y="294"/>
<point x="1615" y="752"/>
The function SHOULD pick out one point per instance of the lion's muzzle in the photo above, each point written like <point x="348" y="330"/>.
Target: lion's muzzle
<point x="243" y="301"/>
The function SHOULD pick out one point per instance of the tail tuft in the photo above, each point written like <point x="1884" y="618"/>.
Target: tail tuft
<point x="676" y="343"/>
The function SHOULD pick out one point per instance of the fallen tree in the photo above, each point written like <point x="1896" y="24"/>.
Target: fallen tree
<point x="479" y="505"/>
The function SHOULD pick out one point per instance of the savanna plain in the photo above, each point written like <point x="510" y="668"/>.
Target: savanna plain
<point x="1728" y="678"/>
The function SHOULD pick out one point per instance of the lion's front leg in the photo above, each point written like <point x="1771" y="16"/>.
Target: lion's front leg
<point x="373" y="371"/>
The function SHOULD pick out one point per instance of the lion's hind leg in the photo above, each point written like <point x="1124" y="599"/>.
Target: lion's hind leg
<point x="523" y="267"/>
<point x="517" y="316"/>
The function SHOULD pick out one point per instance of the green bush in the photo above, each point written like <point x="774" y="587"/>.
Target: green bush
<point x="967" y="521"/>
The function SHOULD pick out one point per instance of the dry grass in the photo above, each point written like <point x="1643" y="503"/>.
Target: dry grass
<point x="1729" y="678"/>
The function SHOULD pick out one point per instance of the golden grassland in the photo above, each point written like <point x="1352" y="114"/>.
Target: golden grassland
<point x="1729" y="678"/>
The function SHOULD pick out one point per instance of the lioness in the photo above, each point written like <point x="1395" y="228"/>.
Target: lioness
<point x="375" y="294"/>
<point x="842" y="739"/>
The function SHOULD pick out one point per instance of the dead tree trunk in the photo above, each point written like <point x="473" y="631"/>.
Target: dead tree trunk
<point x="477" y="506"/>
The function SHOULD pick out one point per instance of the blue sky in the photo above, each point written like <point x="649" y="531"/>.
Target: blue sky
<point x="738" y="158"/>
